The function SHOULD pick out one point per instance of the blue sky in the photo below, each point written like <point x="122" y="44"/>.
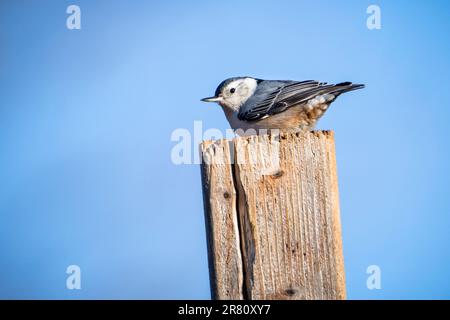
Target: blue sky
<point x="86" y="118"/>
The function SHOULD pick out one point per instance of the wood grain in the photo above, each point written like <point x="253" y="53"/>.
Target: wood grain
<point x="224" y="253"/>
<point x="284" y="198"/>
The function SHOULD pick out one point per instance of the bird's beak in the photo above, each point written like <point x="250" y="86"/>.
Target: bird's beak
<point x="212" y="99"/>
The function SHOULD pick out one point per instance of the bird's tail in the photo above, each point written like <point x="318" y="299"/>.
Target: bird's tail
<point x="343" y="87"/>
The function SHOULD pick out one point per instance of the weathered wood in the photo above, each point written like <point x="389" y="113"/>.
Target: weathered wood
<point x="283" y="192"/>
<point x="224" y="254"/>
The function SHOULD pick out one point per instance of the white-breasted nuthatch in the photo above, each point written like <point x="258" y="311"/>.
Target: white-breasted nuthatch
<point x="251" y="103"/>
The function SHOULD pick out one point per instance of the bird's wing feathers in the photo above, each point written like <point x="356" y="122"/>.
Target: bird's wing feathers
<point x="272" y="97"/>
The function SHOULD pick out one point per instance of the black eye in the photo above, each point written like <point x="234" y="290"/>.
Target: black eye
<point x="232" y="90"/>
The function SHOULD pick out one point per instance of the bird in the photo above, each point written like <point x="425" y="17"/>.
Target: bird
<point x="254" y="105"/>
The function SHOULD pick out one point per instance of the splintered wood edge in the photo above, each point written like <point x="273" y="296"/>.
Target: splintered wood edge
<point x="282" y="135"/>
<point x="221" y="219"/>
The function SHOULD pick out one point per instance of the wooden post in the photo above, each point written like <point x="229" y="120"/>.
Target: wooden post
<point x="272" y="217"/>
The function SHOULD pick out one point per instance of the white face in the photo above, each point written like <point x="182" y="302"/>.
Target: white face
<point x="237" y="92"/>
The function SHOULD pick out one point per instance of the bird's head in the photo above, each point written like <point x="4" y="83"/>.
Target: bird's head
<point x="234" y="92"/>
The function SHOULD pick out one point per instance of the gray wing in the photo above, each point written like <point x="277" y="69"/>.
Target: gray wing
<point x="272" y="97"/>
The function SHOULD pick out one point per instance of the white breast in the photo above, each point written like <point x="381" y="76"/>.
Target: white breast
<point x="236" y="124"/>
